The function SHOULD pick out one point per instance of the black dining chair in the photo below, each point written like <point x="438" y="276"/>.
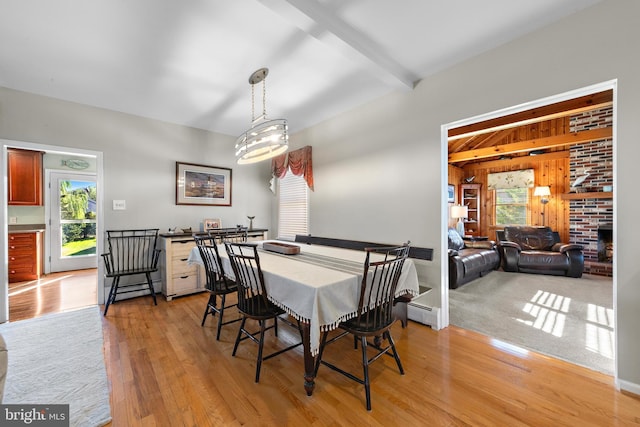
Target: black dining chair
<point x="217" y="282"/>
<point x="375" y="315"/>
<point x="130" y="252"/>
<point x="253" y="301"/>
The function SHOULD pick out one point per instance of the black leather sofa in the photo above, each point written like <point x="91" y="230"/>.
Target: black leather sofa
<point x="470" y="259"/>
<point x="528" y="249"/>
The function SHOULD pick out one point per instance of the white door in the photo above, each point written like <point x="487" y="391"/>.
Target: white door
<point x="73" y="218"/>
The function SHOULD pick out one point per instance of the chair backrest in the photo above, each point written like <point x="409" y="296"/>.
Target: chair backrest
<point x="238" y="235"/>
<point x="132" y="250"/>
<point x="252" y="294"/>
<point x="216" y="279"/>
<point x="204" y="239"/>
<point x="382" y="269"/>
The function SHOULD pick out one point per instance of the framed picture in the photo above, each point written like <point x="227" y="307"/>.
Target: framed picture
<point x="212" y="224"/>
<point x="451" y="193"/>
<point x="202" y="185"/>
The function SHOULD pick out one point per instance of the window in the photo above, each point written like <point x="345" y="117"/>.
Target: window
<point x="511" y="206"/>
<point x="293" y="207"/>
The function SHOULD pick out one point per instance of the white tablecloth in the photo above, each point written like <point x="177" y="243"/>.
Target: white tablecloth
<point x="318" y="295"/>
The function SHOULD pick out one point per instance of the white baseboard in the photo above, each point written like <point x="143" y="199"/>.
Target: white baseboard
<point x="629" y="386"/>
<point x="426" y="315"/>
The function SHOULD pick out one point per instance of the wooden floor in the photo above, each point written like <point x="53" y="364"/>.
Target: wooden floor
<point x="164" y="369"/>
<point x="52" y="293"/>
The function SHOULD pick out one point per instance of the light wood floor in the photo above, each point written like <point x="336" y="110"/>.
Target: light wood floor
<point x="52" y="293"/>
<point x="164" y="369"/>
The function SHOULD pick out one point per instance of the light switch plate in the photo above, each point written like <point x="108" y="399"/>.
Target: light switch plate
<point x="119" y="205"/>
<point x="13" y="220"/>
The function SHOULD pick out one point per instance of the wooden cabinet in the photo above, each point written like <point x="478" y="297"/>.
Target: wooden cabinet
<point x="25" y="256"/>
<point x="24" y="177"/>
<point x="470" y="197"/>
<point x="178" y="278"/>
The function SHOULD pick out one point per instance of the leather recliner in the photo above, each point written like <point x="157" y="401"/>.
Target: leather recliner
<point x="538" y="250"/>
<point x="469" y="260"/>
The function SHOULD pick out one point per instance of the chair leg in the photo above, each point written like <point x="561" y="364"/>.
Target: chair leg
<point x="112" y="294"/>
<point x="221" y="313"/>
<point x="153" y="292"/>
<point x="235" y="346"/>
<point x="365" y="367"/>
<point x="207" y="309"/>
<point x="260" y="346"/>
<point x="395" y="353"/>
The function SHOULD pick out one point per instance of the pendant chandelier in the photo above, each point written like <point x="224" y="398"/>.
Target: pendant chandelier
<point x="266" y="138"/>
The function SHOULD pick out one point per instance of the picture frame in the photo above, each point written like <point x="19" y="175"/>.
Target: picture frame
<point x="202" y="185"/>
<point x="211" y="224"/>
<point x="451" y="193"/>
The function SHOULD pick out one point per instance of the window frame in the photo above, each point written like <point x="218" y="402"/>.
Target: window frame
<point x="527" y="206"/>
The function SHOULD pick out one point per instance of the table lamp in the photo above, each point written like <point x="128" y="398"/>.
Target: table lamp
<point x="459" y="212"/>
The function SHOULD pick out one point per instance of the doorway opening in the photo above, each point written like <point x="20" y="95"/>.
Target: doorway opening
<point x="71" y="279"/>
<point x="504" y="116"/>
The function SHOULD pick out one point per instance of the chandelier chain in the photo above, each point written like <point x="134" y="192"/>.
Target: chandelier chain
<point x="253" y="110"/>
<point x="264" y="98"/>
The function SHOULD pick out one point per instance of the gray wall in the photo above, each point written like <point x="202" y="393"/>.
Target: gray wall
<point x="378" y="169"/>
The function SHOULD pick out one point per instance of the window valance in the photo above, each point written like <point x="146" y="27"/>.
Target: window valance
<point x="513" y="179"/>
<point x="298" y="162"/>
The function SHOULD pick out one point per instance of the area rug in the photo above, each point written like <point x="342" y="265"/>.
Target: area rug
<point x="566" y="318"/>
<point x="58" y="359"/>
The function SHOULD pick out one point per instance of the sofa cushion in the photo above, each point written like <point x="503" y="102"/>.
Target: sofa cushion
<point x="531" y="238"/>
<point x="543" y="260"/>
<point x="455" y="240"/>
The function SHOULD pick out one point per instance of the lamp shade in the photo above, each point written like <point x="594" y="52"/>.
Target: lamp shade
<point x="458" y="211"/>
<point x="265" y="139"/>
<point x="542" y="191"/>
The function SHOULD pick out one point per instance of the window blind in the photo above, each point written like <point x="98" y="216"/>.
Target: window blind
<point x="293" y="207"/>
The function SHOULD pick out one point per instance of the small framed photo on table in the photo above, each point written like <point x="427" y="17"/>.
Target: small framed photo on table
<point x="212" y="224"/>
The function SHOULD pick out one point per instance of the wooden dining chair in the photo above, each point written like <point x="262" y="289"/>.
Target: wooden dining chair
<point x="375" y="316"/>
<point x="239" y="235"/>
<point x="130" y="253"/>
<point x="217" y="282"/>
<point x="253" y="302"/>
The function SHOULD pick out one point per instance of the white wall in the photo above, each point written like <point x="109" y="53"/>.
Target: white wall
<point x="378" y="168"/>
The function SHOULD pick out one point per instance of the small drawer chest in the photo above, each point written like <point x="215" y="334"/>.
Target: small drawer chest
<point x="178" y="278"/>
<point x="25" y="256"/>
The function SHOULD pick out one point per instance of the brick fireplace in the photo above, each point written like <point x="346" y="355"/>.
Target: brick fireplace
<point x="591" y="218"/>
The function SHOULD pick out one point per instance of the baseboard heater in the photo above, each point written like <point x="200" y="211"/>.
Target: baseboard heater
<point x="421" y="313"/>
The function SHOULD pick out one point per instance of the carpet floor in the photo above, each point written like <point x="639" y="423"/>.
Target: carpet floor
<point x="566" y="318"/>
<point x="58" y="359"/>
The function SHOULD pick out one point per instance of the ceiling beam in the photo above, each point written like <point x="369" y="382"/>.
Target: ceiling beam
<point x="552" y="111"/>
<point x="323" y="24"/>
<point x="532" y="144"/>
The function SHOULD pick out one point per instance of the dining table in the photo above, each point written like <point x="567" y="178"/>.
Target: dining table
<point x="319" y="287"/>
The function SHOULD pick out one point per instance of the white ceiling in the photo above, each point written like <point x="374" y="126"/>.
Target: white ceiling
<point x="188" y="61"/>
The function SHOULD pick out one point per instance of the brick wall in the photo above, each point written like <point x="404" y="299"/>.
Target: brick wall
<point x="586" y="215"/>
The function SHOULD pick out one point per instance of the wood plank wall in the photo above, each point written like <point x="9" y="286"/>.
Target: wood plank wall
<point x="550" y="169"/>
